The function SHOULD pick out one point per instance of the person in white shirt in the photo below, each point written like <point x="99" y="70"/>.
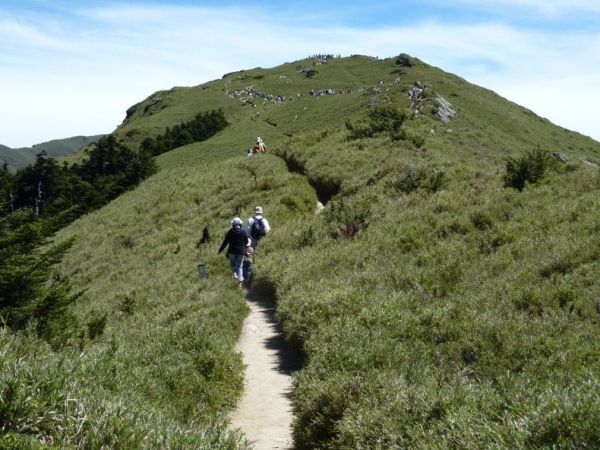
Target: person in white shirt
<point x="257" y="226"/>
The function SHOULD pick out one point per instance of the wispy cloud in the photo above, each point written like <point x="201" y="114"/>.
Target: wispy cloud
<point x="550" y="8"/>
<point x="86" y="70"/>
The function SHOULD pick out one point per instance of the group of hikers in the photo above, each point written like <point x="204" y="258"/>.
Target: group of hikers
<point x="241" y="242"/>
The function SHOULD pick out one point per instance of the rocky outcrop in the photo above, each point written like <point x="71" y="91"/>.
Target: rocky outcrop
<point x="445" y="111"/>
<point x="420" y="94"/>
<point x="416" y="98"/>
<point x="560" y="156"/>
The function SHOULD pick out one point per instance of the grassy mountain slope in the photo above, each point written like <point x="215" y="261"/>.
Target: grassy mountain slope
<point x="17" y="158"/>
<point x="435" y="308"/>
<point x="63" y="147"/>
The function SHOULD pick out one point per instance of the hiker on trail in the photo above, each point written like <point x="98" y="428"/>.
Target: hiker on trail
<point x="257" y="226"/>
<point x="258" y="147"/>
<point x="247" y="267"/>
<point x="237" y="239"/>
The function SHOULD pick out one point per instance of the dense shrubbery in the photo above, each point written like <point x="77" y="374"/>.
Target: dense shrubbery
<point x="46" y="403"/>
<point x="399" y="176"/>
<point x="42" y="198"/>
<point x="383" y="119"/>
<point x="25" y="293"/>
<point x="528" y="168"/>
<point x="39" y="200"/>
<point x="48" y="188"/>
<point x="458" y="315"/>
<point x="202" y="127"/>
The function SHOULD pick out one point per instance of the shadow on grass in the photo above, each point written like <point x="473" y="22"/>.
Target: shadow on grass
<point x="262" y="294"/>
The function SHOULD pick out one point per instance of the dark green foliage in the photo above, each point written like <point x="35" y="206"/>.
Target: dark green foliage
<point x="7" y="186"/>
<point x="402" y="177"/>
<point x="96" y="324"/>
<point x="49" y="188"/>
<point x="201" y="128"/>
<point x="405" y="60"/>
<point x="347" y="218"/>
<point x="26" y="295"/>
<point x="310" y="73"/>
<point x="205" y="238"/>
<point x="529" y="168"/>
<point x="307" y="238"/>
<point x="383" y="119"/>
<point x="38" y="201"/>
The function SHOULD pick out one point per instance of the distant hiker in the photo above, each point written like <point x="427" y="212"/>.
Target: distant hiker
<point x="261" y="147"/>
<point x="247" y="267"/>
<point x="237" y="239"/>
<point x="258" y="147"/>
<point x="257" y="226"/>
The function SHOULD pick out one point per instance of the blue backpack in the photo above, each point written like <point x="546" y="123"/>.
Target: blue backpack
<point x="258" y="229"/>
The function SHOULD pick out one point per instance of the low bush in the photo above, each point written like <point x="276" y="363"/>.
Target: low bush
<point x="347" y="218"/>
<point x="383" y="119"/>
<point x="528" y="168"/>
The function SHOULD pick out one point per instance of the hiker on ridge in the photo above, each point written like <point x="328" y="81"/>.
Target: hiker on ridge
<point x="257" y="226"/>
<point x="260" y="146"/>
<point x="237" y="239"/>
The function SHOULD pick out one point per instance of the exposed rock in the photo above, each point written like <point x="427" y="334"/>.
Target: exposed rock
<point x="445" y="111"/>
<point x="560" y="156"/>
<point x="416" y="98"/>
<point x="319" y="208"/>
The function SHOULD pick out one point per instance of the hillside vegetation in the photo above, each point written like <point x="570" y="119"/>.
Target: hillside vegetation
<point x="442" y="299"/>
<point x="18" y="158"/>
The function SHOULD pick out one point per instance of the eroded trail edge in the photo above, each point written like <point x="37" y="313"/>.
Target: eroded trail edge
<point x="264" y="414"/>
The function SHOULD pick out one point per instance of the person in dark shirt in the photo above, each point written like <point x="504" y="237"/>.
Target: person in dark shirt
<point x="236" y="239"/>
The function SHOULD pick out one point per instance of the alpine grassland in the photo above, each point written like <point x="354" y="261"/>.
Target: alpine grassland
<point x="447" y="295"/>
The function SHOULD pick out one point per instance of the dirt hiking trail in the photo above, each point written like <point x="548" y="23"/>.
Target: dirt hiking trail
<point x="264" y="413"/>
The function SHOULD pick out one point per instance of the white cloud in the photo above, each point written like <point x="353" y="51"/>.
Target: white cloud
<point x="24" y="35"/>
<point x="89" y="71"/>
<point x="548" y="8"/>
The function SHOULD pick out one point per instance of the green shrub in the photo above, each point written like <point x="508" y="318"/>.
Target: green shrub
<point x="382" y="119"/>
<point x="293" y="203"/>
<point x="347" y="218"/>
<point x="405" y="60"/>
<point x="96" y="324"/>
<point x="529" y="168"/>
<point x="307" y="238"/>
<point x="406" y="178"/>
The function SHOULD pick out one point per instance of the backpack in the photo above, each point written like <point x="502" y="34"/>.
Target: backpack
<point x="258" y="229"/>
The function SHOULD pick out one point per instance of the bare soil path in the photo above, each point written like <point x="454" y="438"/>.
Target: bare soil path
<point x="264" y="414"/>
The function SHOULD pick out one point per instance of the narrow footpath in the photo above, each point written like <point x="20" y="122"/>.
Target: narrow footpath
<point x="264" y="414"/>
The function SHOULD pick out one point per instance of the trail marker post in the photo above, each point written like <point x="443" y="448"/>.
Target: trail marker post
<point x="202" y="271"/>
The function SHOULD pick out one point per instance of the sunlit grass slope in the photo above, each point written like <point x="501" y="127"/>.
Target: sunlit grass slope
<point x="460" y="313"/>
<point x="435" y="307"/>
<point x="465" y="316"/>
<point x="157" y="345"/>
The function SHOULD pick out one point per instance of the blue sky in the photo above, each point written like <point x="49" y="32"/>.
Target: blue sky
<point x="74" y="67"/>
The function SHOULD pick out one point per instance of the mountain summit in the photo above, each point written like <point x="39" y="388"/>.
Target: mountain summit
<point x="434" y="256"/>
